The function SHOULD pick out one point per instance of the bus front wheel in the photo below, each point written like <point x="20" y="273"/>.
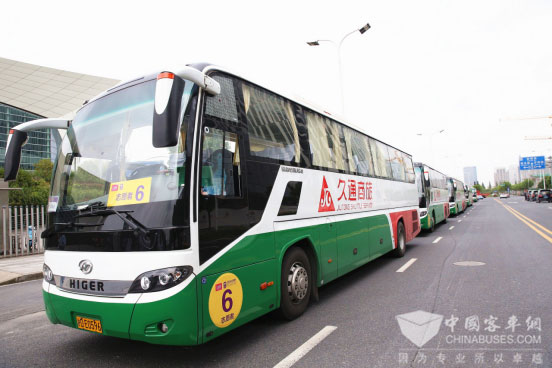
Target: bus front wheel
<point x="432" y="227"/>
<point x="296" y="283"/>
<point x="401" y="241"/>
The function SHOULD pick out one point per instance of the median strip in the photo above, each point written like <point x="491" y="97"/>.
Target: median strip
<point x="302" y="350"/>
<point x="406" y="265"/>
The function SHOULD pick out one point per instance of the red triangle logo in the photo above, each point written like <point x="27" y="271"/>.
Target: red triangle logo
<point x="326" y="202"/>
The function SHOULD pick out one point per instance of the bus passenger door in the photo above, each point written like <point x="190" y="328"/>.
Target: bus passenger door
<point x="222" y="201"/>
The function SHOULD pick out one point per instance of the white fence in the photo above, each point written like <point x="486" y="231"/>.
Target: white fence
<point x="21" y="230"/>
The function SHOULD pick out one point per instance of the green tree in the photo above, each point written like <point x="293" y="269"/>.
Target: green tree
<point x="505" y="185"/>
<point x="43" y="170"/>
<point x="34" y="190"/>
<point x="541" y="183"/>
<point x="525" y="184"/>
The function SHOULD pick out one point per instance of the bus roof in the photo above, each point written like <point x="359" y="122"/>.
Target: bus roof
<point x="422" y="164"/>
<point x="207" y="67"/>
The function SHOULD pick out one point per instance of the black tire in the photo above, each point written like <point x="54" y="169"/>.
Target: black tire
<point x="401" y="241"/>
<point x="432" y="227"/>
<point x="295" y="283"/>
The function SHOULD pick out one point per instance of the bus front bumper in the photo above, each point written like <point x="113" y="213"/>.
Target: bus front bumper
<point x="424" y="220"/>
<point x="453" y="209"/>
<point x="135" y="321"/>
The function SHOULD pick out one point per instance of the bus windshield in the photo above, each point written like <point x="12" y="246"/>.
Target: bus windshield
<point x="110" y="143"/>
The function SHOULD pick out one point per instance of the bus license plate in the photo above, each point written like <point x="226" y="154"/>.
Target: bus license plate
<point x="89" y="324"/>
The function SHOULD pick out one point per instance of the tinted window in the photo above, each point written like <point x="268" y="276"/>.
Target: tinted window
<point x="360" y="160"/>
<point x="271" y="124"/>
<point x="220" y="172"/>
<point x="409" y="168"/>
<point x="398" y="166"/>
<point x="290" y="201"/>
<point x="326" y="142"/>
<point x="380" y="156"/>
<point x="223" y="105"/>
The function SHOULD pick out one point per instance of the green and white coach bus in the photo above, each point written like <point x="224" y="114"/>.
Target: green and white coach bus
<point x="469" y="196"/>
<point x="457" y="198"/>
<point x="433" y="196"/>
<point x="186" y="204"/>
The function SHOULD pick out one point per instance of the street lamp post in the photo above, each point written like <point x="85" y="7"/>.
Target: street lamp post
<point x="338" y="50"/>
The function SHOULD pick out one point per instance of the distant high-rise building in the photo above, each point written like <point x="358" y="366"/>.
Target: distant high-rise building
<point x="470" y="175"/>
<point x="500" y="175"/>
<point x="513" y="174"/>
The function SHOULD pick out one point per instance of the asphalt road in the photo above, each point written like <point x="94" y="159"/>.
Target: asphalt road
<point x="510" y="296"/>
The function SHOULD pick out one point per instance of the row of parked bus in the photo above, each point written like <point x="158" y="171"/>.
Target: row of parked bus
<point x="538" y="195"/>
<point x="440" y="196"/>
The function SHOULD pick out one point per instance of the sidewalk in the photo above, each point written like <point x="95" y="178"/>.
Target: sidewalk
<point x="22" y="268"/>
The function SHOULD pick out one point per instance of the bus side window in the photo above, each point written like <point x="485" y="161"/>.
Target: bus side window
<point x="220" y="160"/>
<point x="271" y="125"/>
<point x="327" y="144"/>
<point x="381" y="159"/>
<point x="360" y="161"/>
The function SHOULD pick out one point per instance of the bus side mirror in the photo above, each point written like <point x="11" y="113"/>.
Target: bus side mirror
<point x="166" y="115"/>
<point x="16" y="140"/>
<point x="426" y="178"/>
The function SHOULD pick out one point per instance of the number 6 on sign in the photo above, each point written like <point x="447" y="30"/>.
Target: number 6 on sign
<point x="129" y="192"/>
<point x="225" y="300"/>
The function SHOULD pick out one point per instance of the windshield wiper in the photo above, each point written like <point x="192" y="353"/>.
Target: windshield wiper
<point x="64" y="225"/>
<point x="122" y="214"/>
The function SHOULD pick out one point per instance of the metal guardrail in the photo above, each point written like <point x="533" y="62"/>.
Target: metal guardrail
<point x="21" y="230"/>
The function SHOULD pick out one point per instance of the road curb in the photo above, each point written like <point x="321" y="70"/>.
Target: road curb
<point x="27" y="277"/>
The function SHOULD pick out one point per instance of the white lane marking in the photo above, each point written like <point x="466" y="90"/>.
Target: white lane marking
<point x="550" y="208"/>
<point x="459" y="220"/>
<point x="452" y="227"/>
<point x="464" y="216"/>
<point x="437" y="240"/>
<point x="302" y="350"/>
<point x="406" y="265"/>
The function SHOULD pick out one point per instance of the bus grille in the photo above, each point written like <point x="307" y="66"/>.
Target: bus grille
<point x="414" y="221"/>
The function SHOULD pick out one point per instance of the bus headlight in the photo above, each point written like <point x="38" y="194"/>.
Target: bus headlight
<point x="423" y="213"/>
<point x="48" y="274"/>
<point x="162" y="279"/>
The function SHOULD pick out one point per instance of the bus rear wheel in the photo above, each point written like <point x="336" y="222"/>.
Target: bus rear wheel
<point x="296" y="283"/>
<point x="401" y="241"/>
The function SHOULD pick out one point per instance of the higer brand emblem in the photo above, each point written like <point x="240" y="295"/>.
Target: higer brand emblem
<point x="326" y="203"/>
<point x="85" y="266"/>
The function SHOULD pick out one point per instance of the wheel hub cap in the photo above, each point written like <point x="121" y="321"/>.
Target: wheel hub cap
<point x="298" y="282"/>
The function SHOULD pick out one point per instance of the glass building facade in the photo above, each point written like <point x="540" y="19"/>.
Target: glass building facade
<point x="39" y="144"/>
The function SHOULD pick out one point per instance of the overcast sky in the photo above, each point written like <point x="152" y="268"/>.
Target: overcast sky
<point x="424" y="66"/>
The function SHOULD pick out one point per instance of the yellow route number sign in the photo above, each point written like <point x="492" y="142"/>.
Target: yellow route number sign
<point x="225" y="300"/>
<point x="129" y="192"/>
